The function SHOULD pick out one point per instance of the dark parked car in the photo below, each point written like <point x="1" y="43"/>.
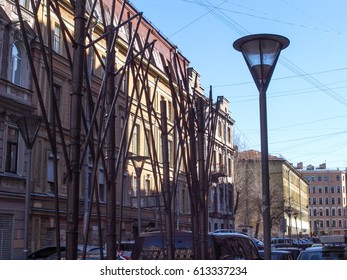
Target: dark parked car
<point x="294" y="250"/>
<point x="47" y="253"/>
<point x="221" y="246"/>
<point x="278" y="254"/>
<point x="258" y="243"/>
<point x="51" y="253"/>
<point x="281" y="242"/>
<point x="332" y="248"/>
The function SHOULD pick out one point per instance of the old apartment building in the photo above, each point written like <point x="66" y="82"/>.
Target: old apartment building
<point x="289" y="197"/>
<point x="327" y="199"/>
<point x="115" y="153"/>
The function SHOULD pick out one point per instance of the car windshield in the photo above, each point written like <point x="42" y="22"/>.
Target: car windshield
<point x="234" y="248"/>
<point x="324" y="255"/>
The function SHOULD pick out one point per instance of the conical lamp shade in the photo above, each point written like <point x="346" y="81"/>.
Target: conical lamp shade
<point x="29" y="127"/>
<point x="261" y="53"/>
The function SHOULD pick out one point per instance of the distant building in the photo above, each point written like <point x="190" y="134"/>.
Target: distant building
<point x="222" y="170"/>
<point x="327" y="199"/>
<point x="288" y="196"/>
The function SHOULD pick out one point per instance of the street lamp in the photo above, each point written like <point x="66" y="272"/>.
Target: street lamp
<point x="261" y="52"/>
<point x="289" y="212"/>
<point x="28" y="127"/>
<point x="296" y="214"/>
<point x="138" y="163"/>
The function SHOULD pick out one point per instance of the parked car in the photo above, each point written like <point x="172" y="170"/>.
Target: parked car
<point x="258" y="243"/>
<point x="302" y="243"/>
<point x="278" y="254"/>
<point x="281" y="242"/>
<point x="295" y="251"/>
<point x="51" y="253"/>
<point x="332" y="248"/>
<point x="221" y="246"/>
<point x="47" y="253"/>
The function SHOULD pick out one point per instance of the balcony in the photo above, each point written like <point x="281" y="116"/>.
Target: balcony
<point x="217" y="171"/>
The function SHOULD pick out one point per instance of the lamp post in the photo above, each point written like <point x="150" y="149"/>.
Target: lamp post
<point x="28" y="127"/>
<point x="289" y="212"/>
<point x="296" y="214"/>
<point x="138" y="163"/>
<point x="261" y="52"/>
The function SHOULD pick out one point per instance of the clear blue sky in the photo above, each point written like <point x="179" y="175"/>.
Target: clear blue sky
<point x="307" y="96"/>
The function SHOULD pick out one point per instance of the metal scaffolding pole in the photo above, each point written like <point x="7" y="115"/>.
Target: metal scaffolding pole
<point x="75" y="133"/>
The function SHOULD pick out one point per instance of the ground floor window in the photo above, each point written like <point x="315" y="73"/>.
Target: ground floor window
<point x="6" y="227"/>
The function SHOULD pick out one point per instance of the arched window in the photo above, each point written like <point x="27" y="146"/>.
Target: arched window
<point x="16" y="64"/>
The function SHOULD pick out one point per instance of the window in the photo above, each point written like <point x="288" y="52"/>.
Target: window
<point x="313" y="189"/>
<point x="327" y="212"/>
<point x="339" y="200"/>
<point x="313" y="178"/>
<point x="333" y="200"/>
<point x="6" y="229"/>
<point x="326" y="189"/>
<point x="50" y="238"/>
<point x="219" y="129"/>
<point x="327" y="200"/>
<point x="229" y="167"/>
<point x="12" y="150"/>
<point x="339" y="212"/>
<point x="220" y="162"/>
<point x="50" y="175"/>
<point x="102" y="186"/>
<point x="229" y="134"/>
<point x="320" y="189"/>
<point x="338" y="189"/>
<point x="325" y="178"/>
<point x="332" y="189"/>
<point x="337" y="177"/>
<point x="135" y="186"/>
<point x="319" y="178"/>
<point x="170" y="111"/>
<point x="57" y="39"/>
<point x="16" y="64"/>
<point x="135" y="140"/>
<point x="183" y="201"/>
<point x="171" y="153"/>
<point x="147" y="186"/>
<point x="314" y="201"/>
<point x="25" y="4"/>
<point x="149" y="142"/>
<point x="320" y="201"/>
<point x="57" y="95"/>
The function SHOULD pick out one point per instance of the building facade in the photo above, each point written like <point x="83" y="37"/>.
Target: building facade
<point x="221" y="207"/>
<point x="101" y="122"/>
<point x="288" y="196"/>
<point x="327" y="200"/>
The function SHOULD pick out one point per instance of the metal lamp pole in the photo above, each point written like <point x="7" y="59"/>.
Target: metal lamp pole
<point x="28" y="127"/>
<point x="138" y="163"/>
<point x="261" y="52"/>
